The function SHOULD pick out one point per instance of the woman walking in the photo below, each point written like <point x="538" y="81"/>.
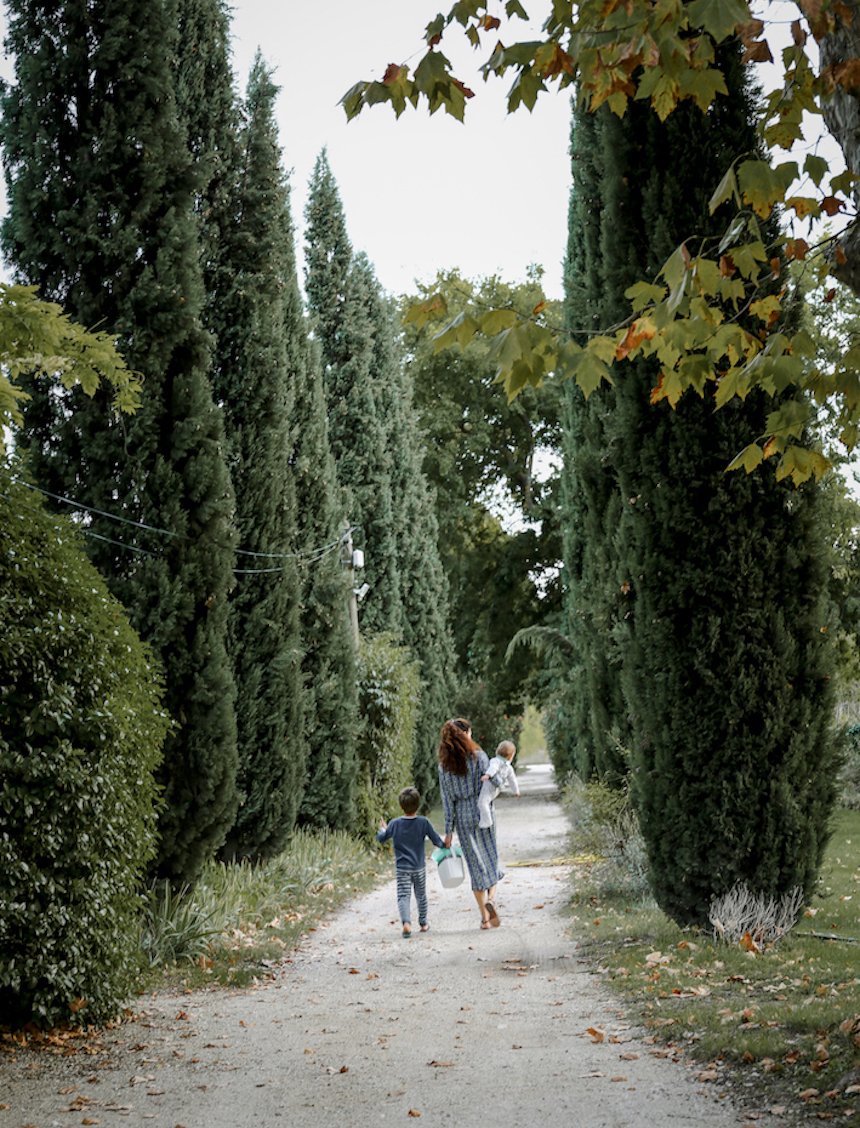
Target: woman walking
<point x="461" y="765"/>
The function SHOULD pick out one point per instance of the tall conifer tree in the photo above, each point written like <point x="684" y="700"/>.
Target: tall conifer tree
<point x="719" y="579"/>
<point x="101" y="217"/>
<point x="592" y="726"/>
<point x="261" y="340"/>
<point x="342" y="297"/>
<point x="423" y="586"/>
<point x="329" y="653"/>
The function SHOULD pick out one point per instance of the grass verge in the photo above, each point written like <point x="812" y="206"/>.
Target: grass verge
<point x="781" y="1027"/>
<point x="240" y="920"/>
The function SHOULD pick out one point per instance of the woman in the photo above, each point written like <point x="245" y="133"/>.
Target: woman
<point x="461" y="765"/>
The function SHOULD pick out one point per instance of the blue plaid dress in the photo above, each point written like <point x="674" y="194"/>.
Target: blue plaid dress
<point x="460" y="805"/>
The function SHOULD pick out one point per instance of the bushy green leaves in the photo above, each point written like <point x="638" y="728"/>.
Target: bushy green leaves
<point x="389" y="697"/>
<point x="81" y="728"/>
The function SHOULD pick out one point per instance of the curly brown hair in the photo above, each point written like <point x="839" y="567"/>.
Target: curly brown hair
<point x="456" y="746"/>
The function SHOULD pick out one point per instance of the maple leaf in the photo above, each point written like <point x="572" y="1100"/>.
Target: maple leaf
<point x="758" y="52"/>
<point x="831" y="205"/>
<point x="392" y="74"/>
<point x="641" y="330"/>
<point x="490" y="23"/>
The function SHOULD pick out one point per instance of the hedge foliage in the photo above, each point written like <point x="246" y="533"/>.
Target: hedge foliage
<point x="81" y="729"/>
<point x="389" y="700"/>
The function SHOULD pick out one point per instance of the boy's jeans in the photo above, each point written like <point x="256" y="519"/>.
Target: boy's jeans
<point x="407" y="880"/>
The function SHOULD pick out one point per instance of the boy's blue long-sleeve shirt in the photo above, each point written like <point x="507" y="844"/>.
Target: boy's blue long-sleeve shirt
<point x="408" y="833"/>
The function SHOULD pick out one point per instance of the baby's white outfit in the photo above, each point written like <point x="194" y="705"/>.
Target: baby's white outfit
<point x="502" y="778"/>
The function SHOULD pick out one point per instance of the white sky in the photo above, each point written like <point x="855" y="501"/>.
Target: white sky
<point x="420" y="193"/>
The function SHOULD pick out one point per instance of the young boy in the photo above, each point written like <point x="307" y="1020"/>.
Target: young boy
<point x="408" y="833"/>
<point x="500" y="776"/>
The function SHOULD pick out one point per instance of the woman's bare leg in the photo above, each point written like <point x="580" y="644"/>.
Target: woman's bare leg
<point x="481" y="898"/>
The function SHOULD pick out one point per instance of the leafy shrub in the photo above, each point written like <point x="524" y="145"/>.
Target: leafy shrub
<point x="388" y="690"/>
<point x="605" y="827"/>
<point x="81" y="730"/>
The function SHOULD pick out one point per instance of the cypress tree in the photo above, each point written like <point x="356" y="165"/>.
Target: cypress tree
<point x="343" y="298"/>
<point x="720" y="578"/>
<point x="423" y="584"/>
<point x="101" y="217"/>
<point x="329" y="654"/>
<point x="261" y="346"/>
<point x="591" y="725"/>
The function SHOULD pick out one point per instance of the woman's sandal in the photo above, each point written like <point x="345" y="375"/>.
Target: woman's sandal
<point x="407" y="933"/>
<point x="493" y="915"/>
<point x="485" y="924"/>
<point x="424" y="927"/>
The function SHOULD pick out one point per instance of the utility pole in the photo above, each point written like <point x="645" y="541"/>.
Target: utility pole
<point x="348" y="559"/>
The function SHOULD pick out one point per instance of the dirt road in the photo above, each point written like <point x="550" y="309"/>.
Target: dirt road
<point x="453" y="1027"/>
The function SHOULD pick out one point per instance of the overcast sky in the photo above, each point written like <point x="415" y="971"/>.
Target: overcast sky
<point x="421" y="193"/>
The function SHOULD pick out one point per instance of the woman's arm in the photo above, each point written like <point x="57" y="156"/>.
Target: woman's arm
<point x="447" y="803"/>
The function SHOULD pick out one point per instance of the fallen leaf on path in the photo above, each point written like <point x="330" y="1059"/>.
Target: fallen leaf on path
<point x="182" y="1016"/>
<point x="619" y="1078"/>
<point x="413" y="1112"/>
<point x="87" y="1120"/>
<point x="440" y="1064"/>
<point x="538" y="906"/>
<point x="354" y="971"/>
<point x="516" y="1047"/>
<point x="372" y="975"/>
<point x="808" y="1094"/>
<point x="596" y="1034"/>
<point x="629" y="1057"/>
<point x="708" y="1075"/>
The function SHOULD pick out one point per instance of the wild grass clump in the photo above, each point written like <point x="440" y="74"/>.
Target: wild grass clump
<point x="606" y="841"/>
<point x="753" y="920"/>
<point x="241" y="913"/>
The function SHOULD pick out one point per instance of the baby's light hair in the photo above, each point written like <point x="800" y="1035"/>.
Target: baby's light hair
<point x="507" y="749"/>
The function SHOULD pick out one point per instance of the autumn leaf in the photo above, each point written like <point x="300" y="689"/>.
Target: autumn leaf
<point x="758" y="52"/>
<point x="392" y="74"/>
<point x="413" y="1112"/>
<point x="832" y="205"/>
<point x="597" y="1035"/>
<point x="796" y="249"/>
<point x="490" y="23"/>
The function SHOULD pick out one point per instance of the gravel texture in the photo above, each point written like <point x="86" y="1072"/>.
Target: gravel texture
<point x="456" y="1026"/>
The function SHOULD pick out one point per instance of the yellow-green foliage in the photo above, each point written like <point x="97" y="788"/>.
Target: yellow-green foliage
<point x="36" y="336"/>
<point x="388" y="699"/>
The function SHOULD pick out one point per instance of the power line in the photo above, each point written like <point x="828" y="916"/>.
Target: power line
<point x="311" y="554"/>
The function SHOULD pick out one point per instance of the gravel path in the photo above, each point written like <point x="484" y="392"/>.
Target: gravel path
<point x="453" y="1027"/>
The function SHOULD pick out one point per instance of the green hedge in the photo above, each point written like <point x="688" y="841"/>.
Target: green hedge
<point x="389" y="689"/>
<point x="81" y="728"/>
